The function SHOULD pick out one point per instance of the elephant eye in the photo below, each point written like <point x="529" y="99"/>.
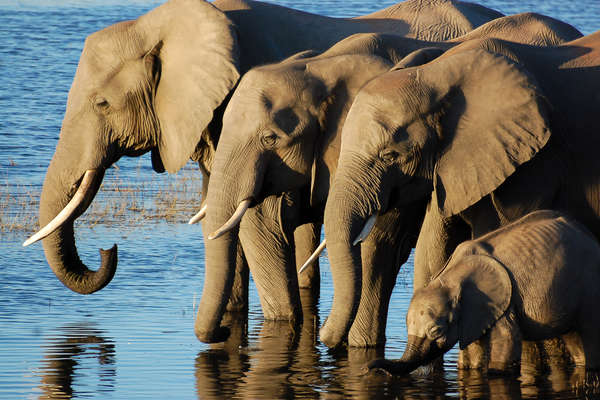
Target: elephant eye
<point x="389" y="155"/>
<point x="101" y="102"/>
<point x="269" y="139"/>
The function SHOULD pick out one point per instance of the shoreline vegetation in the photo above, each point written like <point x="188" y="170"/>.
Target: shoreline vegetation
<point x="121" y="200"/>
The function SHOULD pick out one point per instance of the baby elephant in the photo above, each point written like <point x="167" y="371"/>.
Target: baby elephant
<point x="534" y="279"/>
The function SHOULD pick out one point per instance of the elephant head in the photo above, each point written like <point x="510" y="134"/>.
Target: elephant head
<point x="459" y="306"/>
<point x="150" y="84"/>
<point x="279" y="134"/>
<point x="451" y="131"/>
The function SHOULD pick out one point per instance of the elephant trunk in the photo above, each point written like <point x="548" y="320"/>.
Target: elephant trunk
<point x="227" y="189"/>
<point x="353" y="199"/>
<point x="59" y="244"/>
<point x="418" y="352"/>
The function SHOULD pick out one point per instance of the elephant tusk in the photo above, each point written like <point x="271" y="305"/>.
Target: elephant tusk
<point x="198" y="217"/>
<point x="313" y="256"/>
<point x="84" y="187"/>
<point x="233" y="221"/>
<point x="365" y="230"/>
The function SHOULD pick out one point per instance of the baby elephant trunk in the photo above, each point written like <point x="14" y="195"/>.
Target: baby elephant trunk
<point x="419" y="351"/>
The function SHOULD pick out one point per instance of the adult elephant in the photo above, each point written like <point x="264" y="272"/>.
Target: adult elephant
<point x="484" y="134"/>
<point x="281" y="134"/>
<point x="160" y="83"/>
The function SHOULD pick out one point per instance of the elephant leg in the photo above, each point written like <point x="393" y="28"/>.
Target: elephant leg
<point x="505" y="345"/>
<point x="574" y="346"/>
<point x="307" y="238"/>
<point x="475" y="355"/>
<point x="438" y="238"/>
<point x="269" y="250"/>
<point x="383" y="252"/>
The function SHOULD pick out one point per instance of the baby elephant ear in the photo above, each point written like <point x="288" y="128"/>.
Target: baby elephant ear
<point x="493" y="118"/>
<point x="485" y="293"/>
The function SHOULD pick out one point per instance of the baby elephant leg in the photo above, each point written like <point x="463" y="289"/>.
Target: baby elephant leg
<point x="475" y="355"/>
<point x="505" y="346"/>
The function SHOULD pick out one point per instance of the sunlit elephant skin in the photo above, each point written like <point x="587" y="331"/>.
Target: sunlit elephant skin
<point x="160" y="84"/>
<point x="281" y="132"/>
<point x="219" y="258"/>
<point x="483" y="134"/>
<point x="533" y="279"/>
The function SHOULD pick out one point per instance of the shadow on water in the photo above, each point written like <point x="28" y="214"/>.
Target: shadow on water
<point x="74" y="354"/>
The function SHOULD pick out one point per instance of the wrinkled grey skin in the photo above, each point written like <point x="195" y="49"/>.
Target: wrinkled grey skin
<point x="488" y="295"/>
<point x="160" y="84"/>
<point x="484" y="134"/>
<point x="279" y="241"/>
<point x="281" y="133"/>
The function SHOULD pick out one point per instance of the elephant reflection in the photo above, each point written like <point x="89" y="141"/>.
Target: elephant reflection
<point x="66" y="352"/>
<point x="284" y="363"/>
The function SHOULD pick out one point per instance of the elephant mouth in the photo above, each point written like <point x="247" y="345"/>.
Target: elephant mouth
<point x="90" y="182"/>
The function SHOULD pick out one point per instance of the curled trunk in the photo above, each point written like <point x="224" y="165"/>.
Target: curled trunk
<point x="59" y="246"/>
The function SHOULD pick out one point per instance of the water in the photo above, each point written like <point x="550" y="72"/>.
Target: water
<point x="134" y="339"/>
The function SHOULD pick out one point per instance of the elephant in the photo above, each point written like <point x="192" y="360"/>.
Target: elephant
<point x="281" y="133"/>
<point x="160" y="83"/>
<point x="482" y="135"/>
<point x="533" y="279"/>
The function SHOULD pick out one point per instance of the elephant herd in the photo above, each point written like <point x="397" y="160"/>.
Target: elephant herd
<point x="432" y="124"/>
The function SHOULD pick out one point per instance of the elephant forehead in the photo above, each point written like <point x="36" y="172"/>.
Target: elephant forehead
<point x="107" y="50"/>
<point x="402" y="94"/>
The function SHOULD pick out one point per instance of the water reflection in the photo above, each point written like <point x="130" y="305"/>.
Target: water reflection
<point x="66" y="357"/>
<point x="283" y="363"/>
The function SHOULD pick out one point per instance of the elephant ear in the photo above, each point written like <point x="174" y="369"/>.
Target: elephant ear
<point x="493" y="118"/>
<point x="483" y="290"/>
<point x="418" y="57"/>
<point x="198" y="63"/>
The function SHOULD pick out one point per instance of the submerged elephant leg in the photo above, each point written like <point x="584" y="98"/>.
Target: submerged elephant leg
<point x="505" y="345"/>
<point x="307" y="238"/>
<point x="270" y="254"/>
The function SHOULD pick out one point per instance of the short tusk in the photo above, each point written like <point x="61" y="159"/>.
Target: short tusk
<point x="84" y="187"/>
<point x="313" y="256"/>
<point x="233" y="221"/>
<point x="365" y="230"/>
<point x="198" y="217"/>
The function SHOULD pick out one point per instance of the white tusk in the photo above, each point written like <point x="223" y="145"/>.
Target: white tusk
<point x="198" y="217"/>
<point x="85" y="185"/>
<point x="233" y="221"/>
<point x="365" y="230"/>
<point x="313" y="256"/>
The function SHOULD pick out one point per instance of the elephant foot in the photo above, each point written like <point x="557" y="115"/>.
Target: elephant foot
<point x="220" y="334"/>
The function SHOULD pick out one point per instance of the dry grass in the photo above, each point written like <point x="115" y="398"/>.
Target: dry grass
<point x="120" y="201"/>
